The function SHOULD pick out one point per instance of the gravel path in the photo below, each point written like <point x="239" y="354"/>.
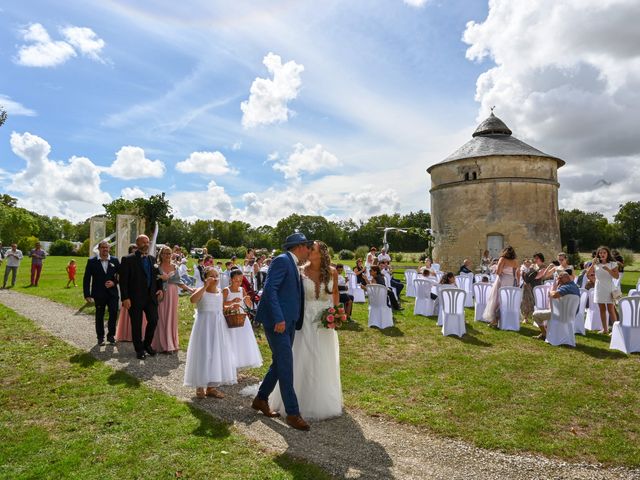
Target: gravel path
<point x="352" y="446"/>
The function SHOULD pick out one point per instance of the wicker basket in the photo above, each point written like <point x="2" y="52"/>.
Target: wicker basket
<point x="235" y="320"/>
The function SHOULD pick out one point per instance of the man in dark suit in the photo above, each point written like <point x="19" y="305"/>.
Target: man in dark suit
<point x="141" y="289"/>
<point x="281" y="312"/>
<point x="100" y="280"/>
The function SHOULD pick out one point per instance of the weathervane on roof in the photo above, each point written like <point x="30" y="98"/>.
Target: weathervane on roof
<point x="492" y="108"/>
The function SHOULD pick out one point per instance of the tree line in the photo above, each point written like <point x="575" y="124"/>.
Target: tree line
<point x="588" y="229"/>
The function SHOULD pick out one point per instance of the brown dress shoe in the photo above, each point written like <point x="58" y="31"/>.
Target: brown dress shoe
<point x="200" y="392"/>
<point x="297" y="422"/>
<point x="212" y="392"/>
<point x="263" y="406"/>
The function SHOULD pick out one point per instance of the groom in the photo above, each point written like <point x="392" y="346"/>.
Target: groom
<point x="281" y="311"/>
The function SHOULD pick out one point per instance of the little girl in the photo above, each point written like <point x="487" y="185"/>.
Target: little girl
<point x="210" y="358"/>
<point x="71" y="273"/>
<point x="242" y="338"/>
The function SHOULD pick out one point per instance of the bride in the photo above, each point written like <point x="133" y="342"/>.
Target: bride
<point x="316" y="354"/>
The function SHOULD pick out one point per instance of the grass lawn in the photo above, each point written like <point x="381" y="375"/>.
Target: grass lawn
<point x="497" y="389"/>
<point x="63" y="414"/>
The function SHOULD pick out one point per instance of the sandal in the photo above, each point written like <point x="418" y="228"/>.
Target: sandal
<point x="212" y="392"/>
<point x="200" y="392"/>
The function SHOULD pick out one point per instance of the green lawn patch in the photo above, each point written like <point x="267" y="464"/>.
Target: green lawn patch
<point x="496" y="389"/>
<point x="64" y="414"/>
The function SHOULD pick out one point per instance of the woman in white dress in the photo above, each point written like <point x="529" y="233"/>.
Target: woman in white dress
<point x="316" y="353"/>
<point x="606" y="269"/>
<point x="507" y="275"/>
<point x="210" y="358"/>
<point x="243" y="340"/>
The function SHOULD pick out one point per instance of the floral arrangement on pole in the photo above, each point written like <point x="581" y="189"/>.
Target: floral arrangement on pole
<point x="333" y="317"/>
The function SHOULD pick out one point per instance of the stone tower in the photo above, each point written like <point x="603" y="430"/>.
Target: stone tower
<point x="494" y="191"/>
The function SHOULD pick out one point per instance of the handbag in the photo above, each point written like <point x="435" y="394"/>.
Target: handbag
<point x="616" y="294"/>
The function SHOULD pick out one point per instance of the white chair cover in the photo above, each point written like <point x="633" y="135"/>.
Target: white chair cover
<point x="387" y="282"/>
<point x="560" y="325"/>
<point x="478" y="277"/>
<point x="625" y="334"/>
<point x="452" y="301"/>
<point x="439" y="289"/>
<point x="578" y="324"/>
<point x="424" y="305"/>
<point x="634" y="292"/>
<point x="224" y="280"/>
<point x="481" y="293"/>
<point x="592" y="320"/>
<point x="409" y="276"/>
<point x="198" y="277"/>
<point x="354" y="288"/>
<point x="439" y="275"/>
<point x="618" y="281"/>
<point x="463" y="282"/>
<point x="380" y="314"/>
<point x="549" y="282"/>
<point x="541" y="297"/>
<point x="510" y="300"/>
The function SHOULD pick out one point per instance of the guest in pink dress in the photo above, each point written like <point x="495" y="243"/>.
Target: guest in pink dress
<point x="123" y="330"/>
<point x="165" y="338"/>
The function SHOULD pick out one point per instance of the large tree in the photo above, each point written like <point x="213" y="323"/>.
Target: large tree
<point x="154" y="209"/>
<point x="590" y="229"/>
<point x="628" y="217"/>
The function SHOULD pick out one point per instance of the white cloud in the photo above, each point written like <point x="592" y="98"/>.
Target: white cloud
<point x="15" y="108"/>
<point x="214" y="203"/>
<point x="303" y="159"/>
<point x="85" y="40"/>
<point x="71" y="190"/>
<point x="416" y="3"/>
<point x="236" y="146"/>
<point x="269" y="97"/>
<point x="566" y="78"/>
<point x="266" y="208"/>
<point x="131" y="163"/>
<point x="131" y="193"/>
<point x="42" y="51"/>
<point x="205" y="163"/>
<point x="369" y="201"/>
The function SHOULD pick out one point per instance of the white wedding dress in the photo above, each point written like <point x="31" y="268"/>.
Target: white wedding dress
<point x="316" y="361"/>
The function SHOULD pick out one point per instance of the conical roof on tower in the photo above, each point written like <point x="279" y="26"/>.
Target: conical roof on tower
<point x="493" y="137"/>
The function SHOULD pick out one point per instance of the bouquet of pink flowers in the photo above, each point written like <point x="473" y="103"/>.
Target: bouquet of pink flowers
<point x="333" y="317"/>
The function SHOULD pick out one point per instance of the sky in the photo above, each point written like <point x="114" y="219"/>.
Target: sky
<point x="256" y="110"/>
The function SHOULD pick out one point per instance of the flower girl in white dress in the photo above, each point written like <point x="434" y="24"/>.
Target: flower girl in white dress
<point x="210" y="358"/>
<point x="243" y="339"/>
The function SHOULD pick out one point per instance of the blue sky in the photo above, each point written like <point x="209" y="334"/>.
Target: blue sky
<point x="346" y="103"/>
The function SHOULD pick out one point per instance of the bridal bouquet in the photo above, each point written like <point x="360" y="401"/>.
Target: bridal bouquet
<point x="333" y="317"/>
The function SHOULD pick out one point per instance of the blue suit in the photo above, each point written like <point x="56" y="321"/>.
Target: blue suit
<point x="282" y="300"/>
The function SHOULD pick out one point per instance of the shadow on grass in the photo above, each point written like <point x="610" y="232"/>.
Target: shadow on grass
<point x="392" y="332"/>
<point x="123" y="378"/>
<point x="371" y="461"/>
<point x="83" y="359"/>
<point x="599" y="337"/>
<point x="297" y="468"/>
<point x="599" y="352"/>
<point x="209" y="427"/>
<point x="352" y="327"/>
<point x="472" y="339"/>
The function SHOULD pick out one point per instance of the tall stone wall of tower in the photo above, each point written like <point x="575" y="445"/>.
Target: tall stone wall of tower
<point x="476" y="202"/>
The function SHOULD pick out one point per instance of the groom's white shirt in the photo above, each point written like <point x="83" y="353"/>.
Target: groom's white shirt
<point x="295" y="259"/>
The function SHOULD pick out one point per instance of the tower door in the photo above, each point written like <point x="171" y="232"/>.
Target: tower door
<point x="495" y="244"/>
